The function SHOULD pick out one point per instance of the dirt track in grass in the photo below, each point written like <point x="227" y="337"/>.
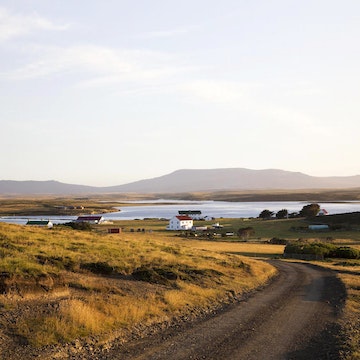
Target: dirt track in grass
<point x="293" y="318"/>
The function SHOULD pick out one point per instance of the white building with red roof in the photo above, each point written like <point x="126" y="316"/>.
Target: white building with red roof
<point x="180" y="222"/>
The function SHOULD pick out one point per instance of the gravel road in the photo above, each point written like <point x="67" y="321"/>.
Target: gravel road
<point x="293" y="318"/>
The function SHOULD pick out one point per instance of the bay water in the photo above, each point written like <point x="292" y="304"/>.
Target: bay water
<point x="165" y="209"/>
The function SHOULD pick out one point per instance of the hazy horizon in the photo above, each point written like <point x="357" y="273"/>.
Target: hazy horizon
<point x="175" y="171"/>
<point x="105" y="94"/>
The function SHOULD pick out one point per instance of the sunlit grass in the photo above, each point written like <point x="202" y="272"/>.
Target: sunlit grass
<point x="349" y="273"/>
<point x="249" y="249"/>
<point x="89" y="277"/>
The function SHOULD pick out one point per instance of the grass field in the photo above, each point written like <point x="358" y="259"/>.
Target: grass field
<point x="289" y="229"/>
<point x="100" y="283"/>
<point x="49" y="205"/>
<point x="349" y="273"/>
<point x="79" y="283"/>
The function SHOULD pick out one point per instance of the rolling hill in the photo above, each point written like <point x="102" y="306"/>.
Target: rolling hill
<point x="191" y="180"/>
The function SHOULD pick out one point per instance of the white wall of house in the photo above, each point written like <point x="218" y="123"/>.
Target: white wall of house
<point x="180" y="223"/>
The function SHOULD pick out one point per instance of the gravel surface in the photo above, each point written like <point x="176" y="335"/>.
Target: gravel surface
<point x="293" y="318"/>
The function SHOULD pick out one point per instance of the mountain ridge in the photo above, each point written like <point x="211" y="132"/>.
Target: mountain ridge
<point x="192" y="180"/>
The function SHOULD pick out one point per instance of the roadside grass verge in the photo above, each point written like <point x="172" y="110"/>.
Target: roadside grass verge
<point x="61" y="284"/>
<point x="349" y="273"/>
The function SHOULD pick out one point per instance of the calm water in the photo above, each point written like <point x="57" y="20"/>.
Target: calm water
<point x="215" y="209"/>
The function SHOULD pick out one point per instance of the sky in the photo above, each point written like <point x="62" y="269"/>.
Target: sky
<point x="108" y="92"/>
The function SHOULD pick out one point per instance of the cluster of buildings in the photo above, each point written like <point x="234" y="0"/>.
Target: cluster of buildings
<point x="183" y="221"/>
<point x="92" y="219"/>
<point x="69" y="207"/>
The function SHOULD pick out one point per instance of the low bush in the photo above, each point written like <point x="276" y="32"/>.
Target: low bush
<point x="84" y="226"/>
<point x="277" y="241"/>
<point x="168" y="274"/>
<point x="324" y="250"/>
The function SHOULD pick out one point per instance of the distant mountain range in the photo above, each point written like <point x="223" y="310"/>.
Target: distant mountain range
<point x="192" y="180"/>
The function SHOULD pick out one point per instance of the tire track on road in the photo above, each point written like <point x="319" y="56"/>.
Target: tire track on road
<point x="292" y="318"/>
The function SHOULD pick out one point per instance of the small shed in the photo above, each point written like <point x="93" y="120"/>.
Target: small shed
<point x="114" y="231"/>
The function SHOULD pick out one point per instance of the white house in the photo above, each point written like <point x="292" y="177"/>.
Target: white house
<point x="180" y="222"/>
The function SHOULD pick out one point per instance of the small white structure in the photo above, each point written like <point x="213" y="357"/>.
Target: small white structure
<point x="180" y="222"/>
<point x="322" y="212"/>
<point x="217" y="226"/>
<point x="199" y="228"/>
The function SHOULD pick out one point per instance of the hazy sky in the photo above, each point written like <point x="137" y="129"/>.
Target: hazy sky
<point x="108" y="92"/>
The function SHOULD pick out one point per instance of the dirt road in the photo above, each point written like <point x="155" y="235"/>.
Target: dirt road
<point x="293" y="318"/>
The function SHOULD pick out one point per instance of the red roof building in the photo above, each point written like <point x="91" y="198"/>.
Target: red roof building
<point x="180" y="222"/>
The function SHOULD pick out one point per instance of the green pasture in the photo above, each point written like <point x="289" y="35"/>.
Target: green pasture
<point x="288" y="229"/>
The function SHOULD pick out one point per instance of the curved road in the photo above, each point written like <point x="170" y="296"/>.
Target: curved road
<point x="292" y="318"/>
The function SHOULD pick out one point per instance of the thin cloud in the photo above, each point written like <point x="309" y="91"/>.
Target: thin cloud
<point x="15" y="25"/>
<point x="216" y="91"/>
<point x="169" y="32"/>
<point x="99" y="66"/>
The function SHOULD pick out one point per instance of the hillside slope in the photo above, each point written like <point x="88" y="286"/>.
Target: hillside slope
<point x="235" y="179"/>
<point x="190" y="180"/>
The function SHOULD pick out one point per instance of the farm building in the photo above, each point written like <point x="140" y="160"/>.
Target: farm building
<point x="114" y="231"/>
<point x="194" y="214"/>
<point x="45" y="223"/>
<point x="92" y="219"/>
<point x="180" y="222"/>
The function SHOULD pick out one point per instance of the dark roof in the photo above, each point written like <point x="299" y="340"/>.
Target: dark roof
<point x="89" y="218"/>
<point x="189" y="212"/>
<point x="38" y="222"/>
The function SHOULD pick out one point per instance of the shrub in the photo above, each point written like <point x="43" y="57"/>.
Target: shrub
<point x="84" y="226"/>
<point x="346" y="252"/>
<point x="246" y="232"/>
<point x="277" y="241"/>
<point x="325" y="250"/>
<point x="310" y="210"/>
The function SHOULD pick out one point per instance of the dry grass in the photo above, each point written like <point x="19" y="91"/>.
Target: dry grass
<point x="349" y="273"/>
<point x="248" y="249"/>
<point x="50" y="205"/>
<point x="79" y="284"/>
